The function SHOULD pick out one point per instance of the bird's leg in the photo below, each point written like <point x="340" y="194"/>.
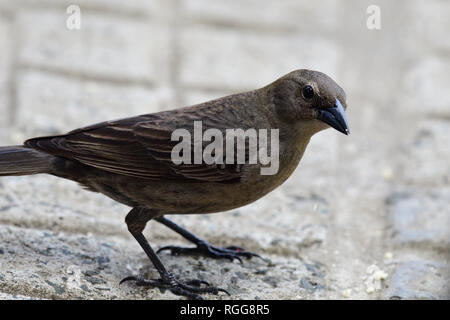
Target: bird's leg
<point x="202" y="246"/>
<point x="136" y="221"/>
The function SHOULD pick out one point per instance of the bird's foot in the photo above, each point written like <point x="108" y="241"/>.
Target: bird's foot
<point x="191" y="288"/>
<point x="204" y="248"/>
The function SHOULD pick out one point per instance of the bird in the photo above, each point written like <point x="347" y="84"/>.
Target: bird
<point x="131" y="161"/>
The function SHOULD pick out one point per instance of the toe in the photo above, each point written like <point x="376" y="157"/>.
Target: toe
<point x="197" y="283"/>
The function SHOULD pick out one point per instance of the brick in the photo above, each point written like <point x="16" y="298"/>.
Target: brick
<point x="105" y="46"/>
<point x="217" y="58"/>
<point x="56" y="104"/>
<point x="429" y="30"/>
<point x="426" y="157"/>
<point x="425" y="87"/>
<point x="420" y="279"/>
<point x="372" y="55"/>
<point x="266" y="15"/>
<point x="420" y="218"/>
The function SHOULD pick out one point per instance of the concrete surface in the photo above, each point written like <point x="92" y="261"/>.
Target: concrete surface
<point x="363" y="217"/>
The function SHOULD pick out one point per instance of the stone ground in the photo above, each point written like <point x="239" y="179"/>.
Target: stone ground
<point x="364" y="216"/>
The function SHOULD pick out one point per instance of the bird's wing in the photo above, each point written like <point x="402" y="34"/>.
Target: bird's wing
<point x="138" y="147"/>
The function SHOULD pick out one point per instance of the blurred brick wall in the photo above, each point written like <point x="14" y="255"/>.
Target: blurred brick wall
<point x="385" y="188"/>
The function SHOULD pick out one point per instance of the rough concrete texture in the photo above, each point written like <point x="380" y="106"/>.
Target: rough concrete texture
<point x="364" y="216"/>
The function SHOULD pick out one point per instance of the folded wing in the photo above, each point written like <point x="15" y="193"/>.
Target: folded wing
<point x="138" y="147"/>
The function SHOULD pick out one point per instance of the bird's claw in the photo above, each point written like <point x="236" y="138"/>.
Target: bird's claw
<point x="190" y="288"/>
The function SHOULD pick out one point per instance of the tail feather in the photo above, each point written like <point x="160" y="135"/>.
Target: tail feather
<point x="20" y="160"/>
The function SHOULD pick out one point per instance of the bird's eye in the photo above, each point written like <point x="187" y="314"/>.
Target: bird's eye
<point x="308" y="92"/>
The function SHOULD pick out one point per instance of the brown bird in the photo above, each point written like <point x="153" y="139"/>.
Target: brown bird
<point x="130" y="160"/>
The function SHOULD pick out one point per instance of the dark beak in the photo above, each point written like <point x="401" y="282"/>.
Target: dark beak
<point x="335" y="117"/>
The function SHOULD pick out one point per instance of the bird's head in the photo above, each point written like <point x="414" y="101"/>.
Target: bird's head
<point x="312" y="98"/>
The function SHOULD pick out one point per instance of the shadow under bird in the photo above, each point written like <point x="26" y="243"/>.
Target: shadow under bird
<point x="129" y="160"/>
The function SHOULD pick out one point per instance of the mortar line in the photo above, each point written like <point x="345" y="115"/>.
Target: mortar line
<point x="82" y="75"/>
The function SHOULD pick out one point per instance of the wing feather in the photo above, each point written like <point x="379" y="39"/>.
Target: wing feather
<point x="139" y="147"/>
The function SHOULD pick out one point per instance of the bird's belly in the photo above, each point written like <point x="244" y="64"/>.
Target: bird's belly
<point x="201" y="197"/>
<point x="171" y="197"/>
<point x="175" y="197"/>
